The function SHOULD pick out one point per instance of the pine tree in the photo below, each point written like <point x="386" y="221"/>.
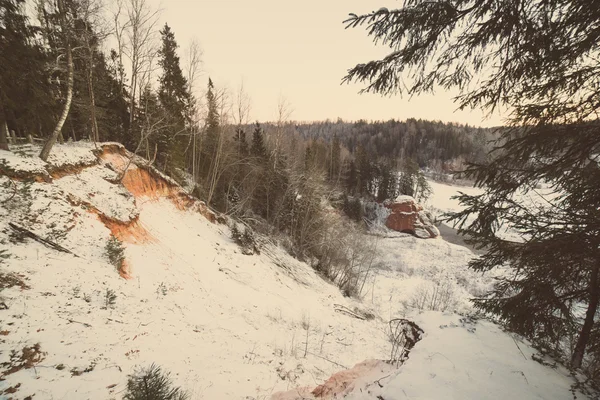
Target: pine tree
<point x="387" y="183"/>
<point x="364" y="174"/>
<point x="175" y="99"/>
<point x="350" y="177"/>
<point x="242" y="144"/>
<point x="334" y="159"/>
<point x="261" y="167"/>
<point x="211" y="140"/>
<point x="257" y="148"/>
<point x="26" y="101"/>
<point x="538" y="59"/>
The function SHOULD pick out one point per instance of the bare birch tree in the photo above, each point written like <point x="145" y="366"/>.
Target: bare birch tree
<point x="92" y="15"/>
<point x="66" y="32"/>
<point x="193" y="69"/>
<point x="284" y="112"/>
<point x="140" y="32"/>
<point x="217" y="167"/>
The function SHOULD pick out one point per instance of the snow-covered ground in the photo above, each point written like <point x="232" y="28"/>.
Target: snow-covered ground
<point x="225" y="324"/>
<point x="441" y="199"/>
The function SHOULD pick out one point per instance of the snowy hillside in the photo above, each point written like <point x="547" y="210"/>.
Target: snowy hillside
<point x="226" y="325"/>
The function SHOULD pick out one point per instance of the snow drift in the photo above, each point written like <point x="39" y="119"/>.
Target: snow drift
<point x="225" y="324"/>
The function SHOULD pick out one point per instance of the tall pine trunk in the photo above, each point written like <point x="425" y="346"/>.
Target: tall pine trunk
<point x="588" y="324"/>
<point x="63" y="117"/>
<point x="92" y="98"/>
<point x="3" y="128"/>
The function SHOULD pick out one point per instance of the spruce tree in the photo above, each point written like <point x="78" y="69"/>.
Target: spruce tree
<point x="364" y="172"/>
<point x="262" y="175"/>
<point x="350" y="176"/>
<point x="540" y="60"/>
<point x="24" y="91"/>
<point x="257" y="148"/>
<point x="334" y="159"/>
<point x="27" y="97"/>
<point x="175" y="99"/>
<point x="212" y="133"/>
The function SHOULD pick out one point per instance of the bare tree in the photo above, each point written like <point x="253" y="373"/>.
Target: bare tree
<point x="120" y="27"/>
<point x="91" y="13"/>
<point x="284" y="112"/>
<point x="66" y="32"/>
<point x="243" y="105"/>
<point x="193" y="63"/>
<point x="218" y="166"/>
<point x="140" y="31"/>
<point x="193" y="67"/>
<point x="149" y="126"/>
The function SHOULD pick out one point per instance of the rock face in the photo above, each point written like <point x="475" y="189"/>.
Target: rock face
<point x="409" y="216"/>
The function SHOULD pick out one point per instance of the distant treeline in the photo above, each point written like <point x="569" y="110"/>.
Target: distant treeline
<point x="443" y="147"/>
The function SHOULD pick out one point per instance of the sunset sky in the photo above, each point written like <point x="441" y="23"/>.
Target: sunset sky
<point x="298" y="50"/>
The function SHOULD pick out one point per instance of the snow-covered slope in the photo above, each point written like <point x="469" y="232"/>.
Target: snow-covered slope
<point x="225" y="324"/>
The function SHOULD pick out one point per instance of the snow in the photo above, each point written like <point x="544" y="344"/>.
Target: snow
<point x="441" y="200"/>
<point x="404" y="199"/>
<point x="92" y="187"/>
<point x="72" y="153"/>
<point x="228" y="325"/>
<point x="13" y="162"/>
<point x="459" y="358"/>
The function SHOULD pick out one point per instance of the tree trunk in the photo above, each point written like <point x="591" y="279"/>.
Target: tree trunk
<point x="3" y="135"/>
<point x="3" y="128"/>
<point x="588" y="324"/>
<point x="95" y="134"/>
<point x="63" y="117"/>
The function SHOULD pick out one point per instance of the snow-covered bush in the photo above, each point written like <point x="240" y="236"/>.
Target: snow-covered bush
<point x="244" y="239"/>
<point x="115" y="252"/>
<point x="110" y="298"/>
<point x="346" y="256"/>
<point x="434" y="297"/>
<point x="152" y="384"/>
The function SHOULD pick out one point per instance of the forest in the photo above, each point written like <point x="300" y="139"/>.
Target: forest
<point x="74" y="70"/>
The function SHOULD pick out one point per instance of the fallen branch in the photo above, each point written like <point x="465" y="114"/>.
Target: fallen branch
<point x="327" y="359"/>
<point x="72" y="321"/>
<point x="382" y="378"/>
<point x="45" y="242"/>
<point x="514" y="340"/>
<point x="346" y="310"/>
<point x="14" y="185"/>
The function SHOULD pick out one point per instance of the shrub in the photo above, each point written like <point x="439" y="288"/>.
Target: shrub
<point x="152" y="384"/>
<point x="244" y="239"/>
<point x="434" y="297"/>
<point x="115" y="252"/>
<point x="110" y="298"/>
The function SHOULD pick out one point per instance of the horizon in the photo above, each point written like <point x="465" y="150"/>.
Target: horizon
<point x="303" y="64"/>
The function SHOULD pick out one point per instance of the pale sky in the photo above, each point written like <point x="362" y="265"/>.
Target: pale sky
<point x="301" y="51"/>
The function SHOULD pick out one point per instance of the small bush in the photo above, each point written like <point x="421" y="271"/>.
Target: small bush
<point x="4" y="254"/>
<point x="152" y="384"/>
<point x="115" y="252"/>
<point x="353" y="208"/>
<point x="434" y="297"/>
<point x="110" y="298"/>
<point x="244" y="239"/>
<point x="161" y="289"/>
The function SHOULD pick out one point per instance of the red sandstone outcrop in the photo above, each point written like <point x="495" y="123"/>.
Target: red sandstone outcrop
<point x="409" y="216"/>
